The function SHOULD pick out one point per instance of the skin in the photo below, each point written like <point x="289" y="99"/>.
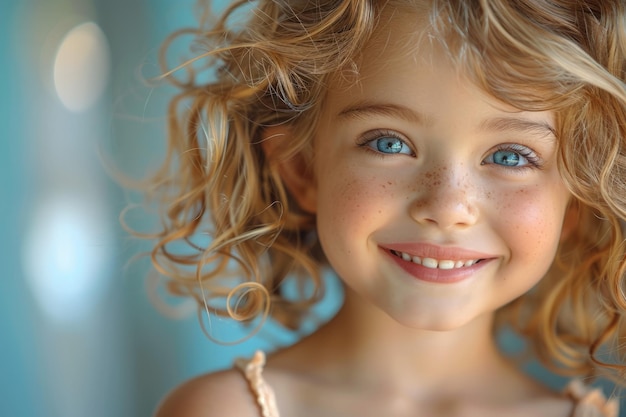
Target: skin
<point x="400" y="345"/>
<point x="442" y="189"/>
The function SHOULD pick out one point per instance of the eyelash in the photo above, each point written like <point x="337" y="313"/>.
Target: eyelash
<point x="372" y="135"/>
<point x="534" y="161"/>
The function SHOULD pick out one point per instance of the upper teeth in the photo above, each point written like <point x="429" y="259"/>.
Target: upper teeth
<point x="436" y="263"/>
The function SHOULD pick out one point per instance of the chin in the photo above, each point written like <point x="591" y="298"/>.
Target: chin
<point x="438" y="323"/>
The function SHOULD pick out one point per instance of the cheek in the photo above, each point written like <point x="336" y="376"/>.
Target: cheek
<point x="530" y="219"/>
<point x="352" y="203"/>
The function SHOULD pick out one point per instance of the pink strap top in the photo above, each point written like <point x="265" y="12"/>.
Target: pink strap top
<point x="590" y="402"/>
<point x="252" y="370"/>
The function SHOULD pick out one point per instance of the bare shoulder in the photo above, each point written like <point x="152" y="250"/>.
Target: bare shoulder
<point x="223" y="394"/>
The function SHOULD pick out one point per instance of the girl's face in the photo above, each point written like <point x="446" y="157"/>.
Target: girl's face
<point x="434" y="201"/>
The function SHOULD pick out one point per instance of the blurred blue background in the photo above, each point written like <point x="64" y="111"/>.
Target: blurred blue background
<point x="80" y="331"/>
<point x="79" y="335"/>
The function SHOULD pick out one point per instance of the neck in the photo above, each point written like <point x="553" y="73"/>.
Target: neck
<point x="364" y="351"/>
<point x="362" y="345"/>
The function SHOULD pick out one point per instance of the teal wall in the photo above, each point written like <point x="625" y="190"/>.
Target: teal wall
<point x="78" y="333"/>
<point x="17" y="333"/>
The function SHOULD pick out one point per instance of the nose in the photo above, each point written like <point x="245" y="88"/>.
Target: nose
<point x="445" y="198"/>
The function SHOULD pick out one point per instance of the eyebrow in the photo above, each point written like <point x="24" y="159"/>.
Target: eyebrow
<point x="365" y="109"/>
<point x="516" y="124"/>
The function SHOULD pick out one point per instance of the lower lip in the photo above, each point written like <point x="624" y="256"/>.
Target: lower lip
<point x="436" y="275"/>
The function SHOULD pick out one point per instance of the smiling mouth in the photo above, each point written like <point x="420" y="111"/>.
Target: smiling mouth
<point x="436" y="263"/>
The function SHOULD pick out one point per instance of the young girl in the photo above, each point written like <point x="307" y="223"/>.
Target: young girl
<point x="460" y="165"/>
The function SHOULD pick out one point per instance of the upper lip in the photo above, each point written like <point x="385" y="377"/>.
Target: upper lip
<point x="427" y="250"/>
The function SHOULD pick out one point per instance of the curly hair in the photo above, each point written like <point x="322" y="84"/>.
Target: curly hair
<point x="245" y="237"/>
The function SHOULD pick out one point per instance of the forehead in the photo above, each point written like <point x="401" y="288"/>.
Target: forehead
<point x="403" y="39"/>
<point x="407" y="72"/>
<point x="401" y="59"/>
<point x="412" y="35"/>
<point x="516" y="71"/>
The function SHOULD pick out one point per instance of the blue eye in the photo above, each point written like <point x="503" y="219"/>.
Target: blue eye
<point x="512" y="156"/>
<point x="508" y="158"/>
<point x="389" y="145"/>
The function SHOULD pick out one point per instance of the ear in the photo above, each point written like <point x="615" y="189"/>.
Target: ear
<point x="295" y="171"/>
